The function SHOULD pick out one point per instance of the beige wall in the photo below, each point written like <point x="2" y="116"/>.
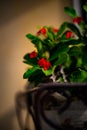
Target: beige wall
<point x="18" y="18"/>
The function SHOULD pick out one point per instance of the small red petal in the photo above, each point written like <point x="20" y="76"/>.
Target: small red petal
<point x="78" y="20"/>
<point x="68" y="34"/>
<point x="33" y="55"/>
<point x="55" y="30"/>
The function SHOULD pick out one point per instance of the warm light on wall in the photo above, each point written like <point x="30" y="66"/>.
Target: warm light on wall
<point x="18" y="19"/>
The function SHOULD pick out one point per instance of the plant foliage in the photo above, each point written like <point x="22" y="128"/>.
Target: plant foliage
<point x="60" y="54"/>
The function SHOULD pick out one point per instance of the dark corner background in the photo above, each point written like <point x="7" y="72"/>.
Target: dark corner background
<point x="83" y="12"/>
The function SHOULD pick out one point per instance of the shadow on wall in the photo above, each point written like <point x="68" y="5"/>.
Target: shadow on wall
<point x="11" y="9"/>
<point x="7" y="120"/>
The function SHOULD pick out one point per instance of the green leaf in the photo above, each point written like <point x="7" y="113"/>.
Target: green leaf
<point x="77" y="42"/>
<point x="29" y="61"/>
<point x="32" y="37"/>
<point x="59" y="49"/>
<point x="61" y="59"/>
<point x="30" y="71"/>
<point x="47" y="72"/>
<point x="85" y="7"/>
<point x="74" y="51"/>
<point x="62" y="29"/>
<point x="50" y="35"/>
<point x="36" y="41"/>
<point x="71" y="26"/>
<point x="37" y="77"/>
<point x="39" y="46"/>
<point x="74" y="29"/>
<point x="70" y="11"/>
<point x="85" y="80"/>
<point x="78" y="76"/>
<point x="49" y="44"/>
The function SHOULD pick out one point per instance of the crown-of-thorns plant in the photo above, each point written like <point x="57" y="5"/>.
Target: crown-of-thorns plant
<point x="60" y="53"/>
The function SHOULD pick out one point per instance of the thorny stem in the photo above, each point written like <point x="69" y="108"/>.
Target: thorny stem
<point x="63" y="74"/>
<point x="53" y="77"/>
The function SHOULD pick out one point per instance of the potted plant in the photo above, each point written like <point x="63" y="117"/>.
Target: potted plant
<point x="59" y="56"/>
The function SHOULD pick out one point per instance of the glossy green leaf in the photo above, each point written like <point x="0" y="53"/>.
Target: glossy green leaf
<point x="61" y="48"/>
<point x="36" y="41"/>
<point x="47" y="72"/>
<point x="50" y="35"/>
<point x="62" y="29"/>
<point x="61" y="59"/>
<point x="32" y="37"/>
<point x="75" y="51"/>
<point x="30" y="71"/>
<point x="71" y="11"/>
<point x="37" y="77"/>
<point x="78" y="76"/>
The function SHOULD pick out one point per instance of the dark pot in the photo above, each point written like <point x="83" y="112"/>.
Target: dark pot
<point x="53" y="96"/>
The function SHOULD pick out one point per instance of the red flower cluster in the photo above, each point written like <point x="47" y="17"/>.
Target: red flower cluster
<point x="41" y="31"/>
<point x="78" y="20"/>
<point x="68" y="34"/>
<point x="44" y="63"/>
<point x="44" y="31"/>
<point x="33" y="55"/>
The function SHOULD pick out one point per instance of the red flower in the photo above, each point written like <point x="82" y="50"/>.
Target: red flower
<point x="44" y="63"/>
<point x="55" y="30"/>
<point x="68" y="34"/>
<point x="41" y="31"/>
<point x="78" y="20"/>
<point x="33" y="54"/>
